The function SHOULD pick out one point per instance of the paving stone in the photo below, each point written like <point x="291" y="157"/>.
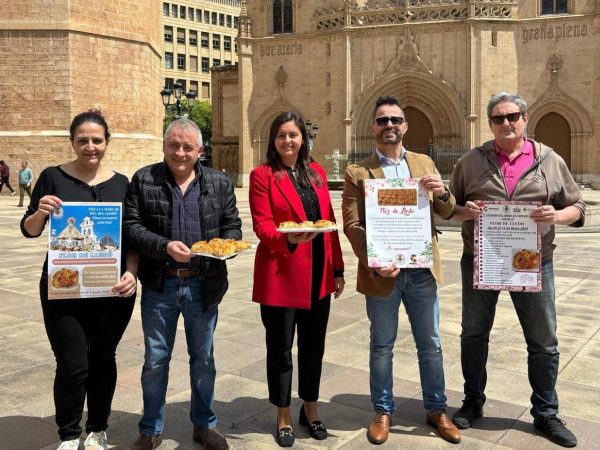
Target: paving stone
<point x="241" y="396"/>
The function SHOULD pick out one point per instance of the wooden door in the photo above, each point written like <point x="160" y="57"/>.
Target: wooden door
<point x="554" y="131"/>
<point x="420" y="131"/>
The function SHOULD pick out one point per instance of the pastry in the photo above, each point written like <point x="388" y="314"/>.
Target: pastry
<point x="288" y="224"/>
<point x="324" y="224"/>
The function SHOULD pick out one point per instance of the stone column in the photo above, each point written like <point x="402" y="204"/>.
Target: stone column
<point x="245" y="83"/>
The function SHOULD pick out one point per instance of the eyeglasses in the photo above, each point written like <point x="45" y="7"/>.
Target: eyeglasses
<point x="512" y="118"/>
<point x="383" y="121"/>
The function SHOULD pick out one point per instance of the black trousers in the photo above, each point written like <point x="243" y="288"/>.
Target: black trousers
<point x="5" y="181"/>
<point x="84" y="334"/>
<point x="280" y="325"/>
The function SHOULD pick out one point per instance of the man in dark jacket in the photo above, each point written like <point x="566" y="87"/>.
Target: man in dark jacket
<point x="169" y="206"/>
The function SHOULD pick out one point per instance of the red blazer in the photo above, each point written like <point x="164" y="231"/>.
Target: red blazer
<point x="281" y="277"/>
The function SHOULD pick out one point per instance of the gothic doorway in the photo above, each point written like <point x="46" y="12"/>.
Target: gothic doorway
<point x="554" y="130"/>
<point x="420" y="131"/>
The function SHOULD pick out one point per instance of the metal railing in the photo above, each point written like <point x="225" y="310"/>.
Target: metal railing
<point x="444" y="159"/>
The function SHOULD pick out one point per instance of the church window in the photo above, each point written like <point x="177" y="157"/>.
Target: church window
<point x="554" y="7"/>
<point x="283" y="16"/>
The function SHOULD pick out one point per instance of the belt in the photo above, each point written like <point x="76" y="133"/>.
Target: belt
<point x="183" y="273"/>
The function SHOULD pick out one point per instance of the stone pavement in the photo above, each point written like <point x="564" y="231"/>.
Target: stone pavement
<point x="247" y="418"/>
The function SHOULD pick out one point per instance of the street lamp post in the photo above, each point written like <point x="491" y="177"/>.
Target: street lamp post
<point x="312" y="129"/>
<point x="177" y="92"/>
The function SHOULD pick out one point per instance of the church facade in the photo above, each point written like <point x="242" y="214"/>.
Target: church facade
<point x="331" y="59"/>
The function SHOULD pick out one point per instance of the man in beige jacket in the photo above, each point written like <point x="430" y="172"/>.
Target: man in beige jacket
<point x="387" y="287"/>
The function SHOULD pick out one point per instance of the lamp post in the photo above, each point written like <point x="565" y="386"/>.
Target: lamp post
<point x="177" y="92"/>
<point x="312" y="130"/>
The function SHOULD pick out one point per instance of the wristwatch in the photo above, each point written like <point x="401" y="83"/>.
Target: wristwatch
<point x="445" y="197"/>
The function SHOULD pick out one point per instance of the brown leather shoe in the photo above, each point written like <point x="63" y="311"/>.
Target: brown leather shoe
<point x="210" y="438"/>
<point x="146" y="442"/>
<point x="444" y="425"/>
<point x="379" y="429"/>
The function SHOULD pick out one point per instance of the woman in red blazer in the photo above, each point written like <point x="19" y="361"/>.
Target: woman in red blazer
<point x="294" y="274"/>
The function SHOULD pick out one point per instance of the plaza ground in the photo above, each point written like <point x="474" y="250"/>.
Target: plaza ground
<point x="245" y="415"/>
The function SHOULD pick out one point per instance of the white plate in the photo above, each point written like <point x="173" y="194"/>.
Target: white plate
<point x="222" y="258"/>
<point x="307" y="230"/>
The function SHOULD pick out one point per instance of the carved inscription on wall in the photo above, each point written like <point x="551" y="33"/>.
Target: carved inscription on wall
<point x="294" y="48"/>
<point x="554" y="32"/>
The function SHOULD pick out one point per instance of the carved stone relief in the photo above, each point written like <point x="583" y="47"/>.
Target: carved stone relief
<point x="281" y="78"/>
<point x="386" y="12"/>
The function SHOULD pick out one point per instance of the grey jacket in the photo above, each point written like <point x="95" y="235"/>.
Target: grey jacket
<point x="477" y="176"/>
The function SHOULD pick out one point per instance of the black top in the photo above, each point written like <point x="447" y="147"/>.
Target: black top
<point x="310" y="204"/>
<point x="55" y="181"/>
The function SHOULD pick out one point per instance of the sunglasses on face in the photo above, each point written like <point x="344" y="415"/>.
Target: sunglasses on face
<point x="383" y="121"/>
<point x="512" y="118"/>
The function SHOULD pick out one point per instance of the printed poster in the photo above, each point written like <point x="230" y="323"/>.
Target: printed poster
<point x="398" y="223"/>
<point x="507" y="248"/>
<point x="84" y="250"/>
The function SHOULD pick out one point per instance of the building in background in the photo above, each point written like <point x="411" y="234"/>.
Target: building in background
<point x="61" y="57"/>
<point x="330" y="60"/>
<point x="198" y="35"/>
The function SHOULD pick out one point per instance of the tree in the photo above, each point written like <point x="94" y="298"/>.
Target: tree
<point x="201" y="114"/>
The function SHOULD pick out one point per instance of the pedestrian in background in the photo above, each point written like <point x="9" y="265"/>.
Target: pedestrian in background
<point x="4" y="178"/>
<point x="25" y="180"/>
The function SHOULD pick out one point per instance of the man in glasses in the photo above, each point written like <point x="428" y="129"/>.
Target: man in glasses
<point x="386" y="288"/>
<point x="513" y="167"/>
<point x="169" y="206"/>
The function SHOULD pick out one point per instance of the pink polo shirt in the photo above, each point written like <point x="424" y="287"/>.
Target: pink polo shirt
<point x="512" y="170"/>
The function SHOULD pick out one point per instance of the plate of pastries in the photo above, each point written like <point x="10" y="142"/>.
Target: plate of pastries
<point x="220" y="248"/>
<point x="319" y="226"/>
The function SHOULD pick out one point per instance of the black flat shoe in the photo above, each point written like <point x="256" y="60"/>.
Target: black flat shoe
<point x="284" y="436"/>
<point x="316" y="429"/>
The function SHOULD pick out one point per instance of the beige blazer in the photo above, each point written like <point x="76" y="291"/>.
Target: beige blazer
<point x="353" y="209"/>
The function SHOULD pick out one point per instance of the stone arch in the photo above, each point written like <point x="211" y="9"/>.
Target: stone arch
<point x="421" y="90"/>
<point x="579" y="121"/>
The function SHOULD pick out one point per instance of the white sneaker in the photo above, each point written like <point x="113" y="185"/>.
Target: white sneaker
<point x="96" y="440"/>
<point x="69" y="445"/>
<point x="12" y="194"/>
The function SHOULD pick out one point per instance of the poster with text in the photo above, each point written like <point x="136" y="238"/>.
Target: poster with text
<point x="84" y="250"/>
<point x="507" y="248"/>
<point x="398" y="223"/>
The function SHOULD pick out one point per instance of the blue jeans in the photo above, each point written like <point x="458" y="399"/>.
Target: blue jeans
<point x="537" y="315"/>
<point x="418" y="290"/>
<point x="160" y="313"/>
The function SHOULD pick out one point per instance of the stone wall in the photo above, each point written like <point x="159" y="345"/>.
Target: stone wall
<point x="62" y="57"/>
